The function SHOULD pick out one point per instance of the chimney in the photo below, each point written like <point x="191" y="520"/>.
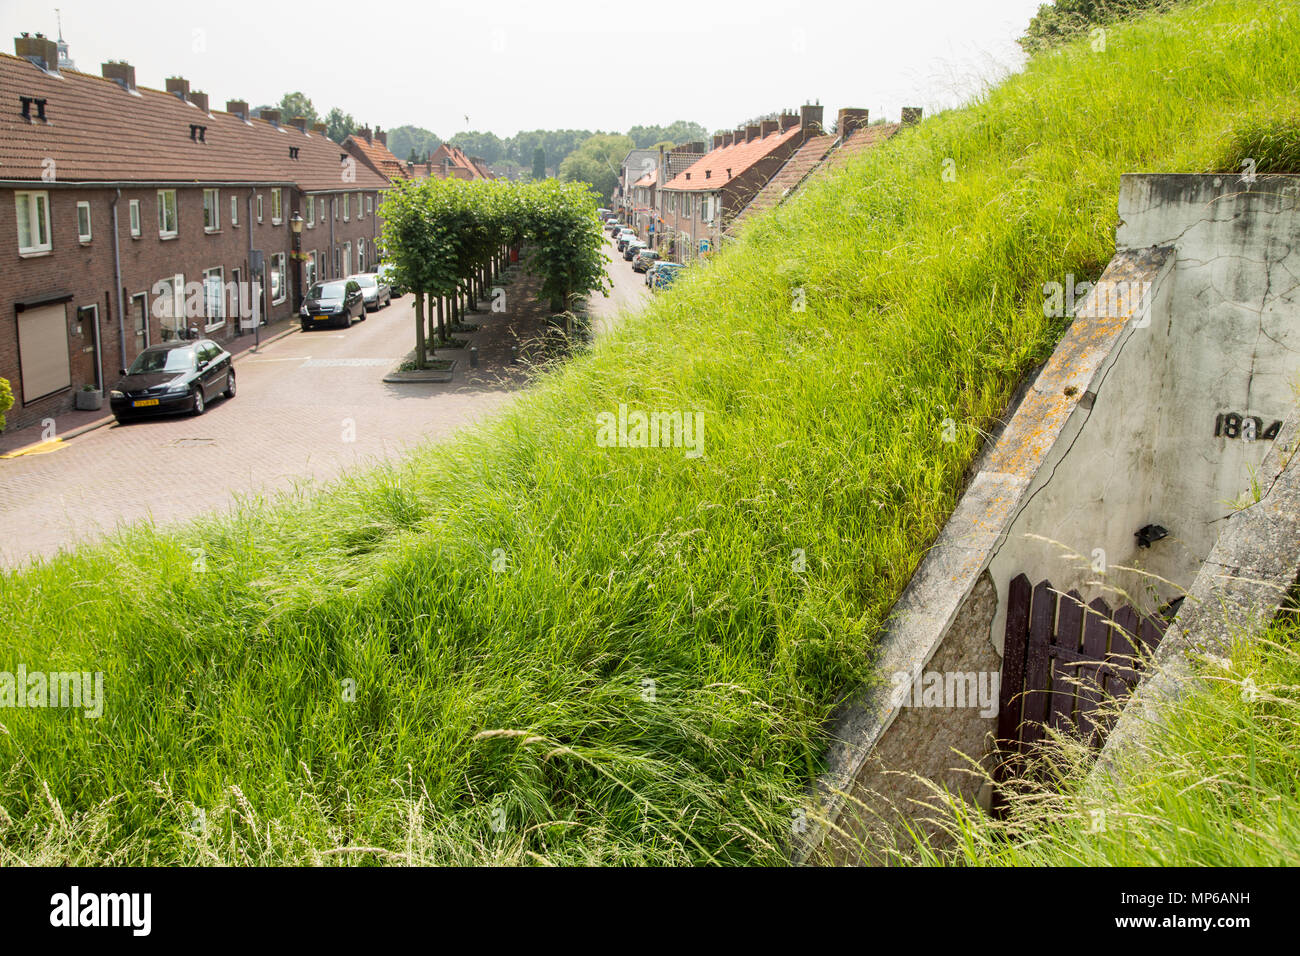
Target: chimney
<point x="300" y="122"/>
<point x="382" y="137"/>
<point x="810" y="116"/>
<point x="768" y="127"/>
<point x="365" y="134"/>
<point x="751" y="132"/>
<point x="739" y="135"/>
<point x="728" y="138"/>
<point x="271" y="116"/>
<point x="697" y="147"/>
<point x="789" y="121"/>
<point x="44" y="53"/>
<point x="717" y="141"/>
<point x="178" y="86"/>
<point x="200" y="100"/>
<point x="123" y="74"/>
<point x="911" y="115"/>
<point x="318" y="128"/>
<point x="238" y="107"/>
<point x="849" y="121"/>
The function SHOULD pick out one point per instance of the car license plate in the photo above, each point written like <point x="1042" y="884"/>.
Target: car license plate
<point x="141" y="403"/>
<point x="319" y="317"/>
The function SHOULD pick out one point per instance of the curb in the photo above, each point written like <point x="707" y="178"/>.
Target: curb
<point x="108" y="419"/>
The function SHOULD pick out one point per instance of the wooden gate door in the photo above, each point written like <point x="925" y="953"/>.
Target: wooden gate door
<point x="1061" y="658"/>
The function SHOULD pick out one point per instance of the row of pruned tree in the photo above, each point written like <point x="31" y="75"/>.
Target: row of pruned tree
<point x="446" y="240"/>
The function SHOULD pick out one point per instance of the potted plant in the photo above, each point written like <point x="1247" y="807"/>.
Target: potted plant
<point x="89" y="399"/>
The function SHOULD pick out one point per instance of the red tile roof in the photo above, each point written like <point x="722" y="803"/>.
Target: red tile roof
<point x="717" y="168"/>
<point x="98" y="131"/>
<point x="462" y="165"/>
<point x="379" y="156"/>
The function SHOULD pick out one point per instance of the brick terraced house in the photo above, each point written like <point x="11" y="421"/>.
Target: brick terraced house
<point x="697" y="204"/>
<point x="130" y="216"/>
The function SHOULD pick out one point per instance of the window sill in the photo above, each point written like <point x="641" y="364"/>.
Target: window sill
<point x="34" y="253"/>
<point x="83" y="242"/>
<point x="136" y="237"/>
<point x="165" y="236"/>
<point x="212" y="232"/>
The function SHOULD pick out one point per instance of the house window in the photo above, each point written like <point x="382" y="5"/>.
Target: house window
<point x="166" y="213"/>
<point x="83" y="221"/>
<point x="370" y="204"/>
<point x="135" y="218"/>
<point x="361" y="256"/>
<point x="309" y="269"/>
<point x="361" y="212"/>
<point x="311" y="212"/>
<point x="234" y="211"/>
<point x="259" y="207"/>
<point x="277" y="208"/>
<point x="279" y="289"/>
<point x="33" y="222"/>
<point x="211" y="210"/>
<point x="347" y="255"/>
<point x="335" y="203"/>
<point x="347" y="205"/>
<point x="214" y="299"/>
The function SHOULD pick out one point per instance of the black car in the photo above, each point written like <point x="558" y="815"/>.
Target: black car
<point x="332" y="303"/>
<point x="176" y="377"/>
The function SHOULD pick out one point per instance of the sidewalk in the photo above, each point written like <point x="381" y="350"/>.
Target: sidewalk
<point x="73" y="423"/>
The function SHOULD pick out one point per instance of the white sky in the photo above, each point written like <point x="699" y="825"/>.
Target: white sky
<point x="511" y="64"/>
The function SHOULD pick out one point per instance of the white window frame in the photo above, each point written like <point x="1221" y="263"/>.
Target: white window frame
<point x="277" y="207"/>
<point x="83" y="237"/>
<point x="214" y="319"/>
<point x="347" y="205"/>
<point x="212" y="210"/>
<point x="311" y="212"/>
<point x="134" y="216"/>
<point x="346" y="258"/>
<point x="277" y="265"/>
<point x="259" y="207"/>
<point x="38" y="221"/>
<point x="176" y="292"/>
<point x="370" y="204"/>
<point x="163" y="231"/>
<point x="234" y="212"/>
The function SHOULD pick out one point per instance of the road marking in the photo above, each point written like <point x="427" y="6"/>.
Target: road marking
<point x="40" y="448"/>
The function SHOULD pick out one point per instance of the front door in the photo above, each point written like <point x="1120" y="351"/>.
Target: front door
<point x="140" y="322"/>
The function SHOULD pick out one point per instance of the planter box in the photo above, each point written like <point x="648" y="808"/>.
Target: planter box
<point x="89" y="401"/>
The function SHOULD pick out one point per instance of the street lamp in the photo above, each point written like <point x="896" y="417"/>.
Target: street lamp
<point x="296" y="224"/>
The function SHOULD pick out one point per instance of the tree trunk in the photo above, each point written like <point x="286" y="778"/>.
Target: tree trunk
<point x="433" y="338"/>
<point x="419" y="330"/>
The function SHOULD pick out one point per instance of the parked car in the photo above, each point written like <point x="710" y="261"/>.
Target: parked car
<point x="615" y="228"/>
<point x="375" y="292"/>
<point x="603" y="213"/>
<point x="644" y="259"/>
<point x="623" y="238"/>
<point x="332" y="303"/>
<point x="632" y="248"/>
<point x="175" y="377"/>
<point x="663" y="274"/>
<point x="388" y="273"/>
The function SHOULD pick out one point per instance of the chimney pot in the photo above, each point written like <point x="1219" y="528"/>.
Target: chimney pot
<point x="178" y="86"/>
<point x="810" y="117"/>
<point x="789" y="120"/>
<point x="123" y="74"/>
<point x="44" y="53"/>
<point x="849" y="121"/>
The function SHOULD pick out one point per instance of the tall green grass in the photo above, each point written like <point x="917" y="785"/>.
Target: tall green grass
<point x="647" y="677"/>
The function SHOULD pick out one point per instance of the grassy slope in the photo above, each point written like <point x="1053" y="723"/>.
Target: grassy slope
<point x="823" y="432"/>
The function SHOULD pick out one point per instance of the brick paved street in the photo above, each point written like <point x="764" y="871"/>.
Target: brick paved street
<point x="285" y="426"/>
